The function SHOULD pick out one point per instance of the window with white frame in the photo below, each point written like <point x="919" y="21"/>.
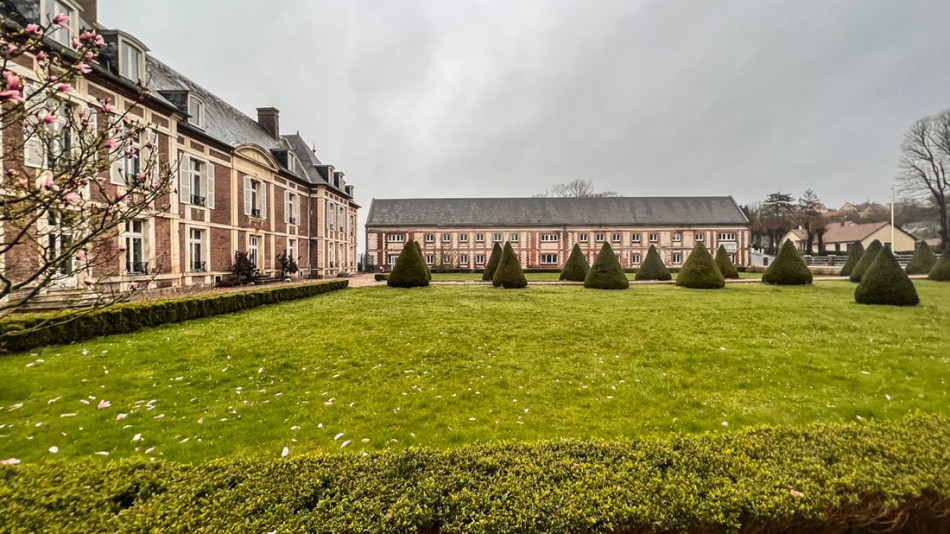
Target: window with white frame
<point x="549" y="238"/>
<point x="463" y="238"/>
<point x="292" y="249"/>
<point x="600" y="237"/>
<point x="329" y="215"/>
<point x="197" y="261"/>
<point x="479" y="259"/>
<point x="254" y="244"/>
<point x="732" y="258"/>
<point x="60" y="142"/>
<point x="396" y="238"/>
<point x="430" y="238"/>
<point x="392" y="259"/>
<point x="700" y="236"/>
<point x="654" y="238"/>
<point x="196" y="111"/>
<point x="635" y="258"/>
<point x="463" y="259"/>
<point x="616" y="238"/>
<point x="131" y="61"/>
<point x="727" y="236"/>
<point x="430" y="259"/>
<point x="255" y="198"/>
<point x="677" y="237"/>
<point x="635" y="238"/>
<point x="677" y="258"/>
<point x="291" y="207"/>
<point x="196" y="182"/>
<point x="496" y="238"/>
<point x="135" y="263"/>
<point x="446" y="238"/>
<point x="514" y="238"/>
<point x="583" y="238"/>
<point x="479" y="238"/>
<point x="548" y="259"/>
<point x="62" y="36"/>
<point x="446" y="259"/>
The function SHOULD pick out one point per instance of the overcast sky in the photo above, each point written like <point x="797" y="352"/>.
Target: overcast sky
<point x="505" y="98"/>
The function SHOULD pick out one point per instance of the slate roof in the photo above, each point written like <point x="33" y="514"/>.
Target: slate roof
<point x="540" y="211"/>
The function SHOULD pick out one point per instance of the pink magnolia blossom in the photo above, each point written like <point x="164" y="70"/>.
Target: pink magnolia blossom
<point x="83" y="68"/>
<point x="72" y="198"/>
<point x="61" y="19"/>
<point x="81" y="256"/>
<point x="76" y="44"/>
<point x="103" y="404"/>
<point x="49" y="184"/>
<point x="133" y="287"/>
<point x="121" y="416"/>
<point x="49" y="119"/>
<point x="111" y="144"/>
<point x="41" y="56"/>
<point x="64" y="87"/>
<point x="11" y="95"/>
<point x="106" y="107"/>
<point x="34" y="29"/>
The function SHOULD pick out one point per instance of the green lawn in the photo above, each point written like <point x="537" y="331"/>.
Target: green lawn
<point x="465" y="277"/>
<point x="447" y="365"/>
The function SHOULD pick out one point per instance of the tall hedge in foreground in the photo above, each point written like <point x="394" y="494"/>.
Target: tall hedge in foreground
<point x="818" y="477"/>
<point x="424" y="264"/>
<point x="700" y="271"/>
<point x="886" y="283"/>
<point x="576" y="268"/>
<point x="941" y="270"/>
<point x="509" y="274"/>
<point x="652" y="267"/>
<point x="923" y="260"/>
<point x="606" y="272"/>
<point x="493" y="260"/>
<point x="788" y="269"/>
<point x="857" y="251"/>
<point x="410" y="269"/>
<point x="867" y="259"/>
<point x="724" y="262"/>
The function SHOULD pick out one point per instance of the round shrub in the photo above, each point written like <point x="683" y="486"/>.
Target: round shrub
<point x="576" y="268"/>
<point x="652" y="267"/>
<point x="886" y="283"/>
<point x="788" y="269"/>
<point x="509" y="274"/>
<point x="853" y="258"/>
<point x="493" y="260"/>
<point x="700" y="271"/>
<point x="923" y="260"/>
<point x="941" y="270"/>
<point x="410" y="269"/>
<point x="867" y="259"/>
<point x="725" y="265"/>
<point x="606" y="272"/>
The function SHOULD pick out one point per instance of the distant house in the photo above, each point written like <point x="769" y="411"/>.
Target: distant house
<point x="840" y="237"/>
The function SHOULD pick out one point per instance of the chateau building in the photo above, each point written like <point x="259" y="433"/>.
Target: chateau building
<point x="241" y="184"/>
<point x="460" y="233"/>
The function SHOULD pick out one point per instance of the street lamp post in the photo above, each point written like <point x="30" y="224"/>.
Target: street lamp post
<point x="892" y="219"/>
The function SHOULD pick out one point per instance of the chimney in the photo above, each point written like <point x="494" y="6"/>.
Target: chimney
<point x="269" y="119"/>
<point x="90" y="11"/>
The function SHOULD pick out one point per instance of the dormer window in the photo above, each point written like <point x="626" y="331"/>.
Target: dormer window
<point x="62" y="35"/>
<point x="196" y="111"/>
<point x="132" y="61"/>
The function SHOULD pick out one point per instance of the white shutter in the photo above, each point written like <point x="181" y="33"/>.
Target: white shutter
<point x="184" y="180"/>
<point x="210" y="185"/>
<point x="247" y="195"/>
<point x="33" y="148"/>
<point x="287" y="213"/>
<point x="154" y="159"/>
<point x="263" y="200"/>
<point x="297" y="209"/>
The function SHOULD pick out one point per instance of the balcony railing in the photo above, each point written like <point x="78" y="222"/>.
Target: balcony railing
<point x="136" y="268"/>
<point x="197" y="200"/>
<point x="199" y="266"/>
<point x="256" y="213"/>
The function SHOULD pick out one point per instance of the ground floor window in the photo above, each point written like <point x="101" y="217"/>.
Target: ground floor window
<point x="635" y="258"/>
<point x="430" y="259"/>
<point x="196" y="245"/>
<point x="463" y="259"/>
<point x="479" y="259"/>
<point x="254" y="250"/>
<point x="548" y="259"/>
<point x="135" y="248"/>
<point x="394" y="257"/>
<point x="677" y="258"/>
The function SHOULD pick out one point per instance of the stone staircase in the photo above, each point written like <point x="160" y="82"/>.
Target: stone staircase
<point x="59" y="299"/>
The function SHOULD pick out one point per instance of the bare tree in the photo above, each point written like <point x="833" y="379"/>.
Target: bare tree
<point x="924" y="164"/>
<point x="809" y="217"/>
<point x="576" y="189"/>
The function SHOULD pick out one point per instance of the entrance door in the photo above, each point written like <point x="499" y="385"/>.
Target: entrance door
<point x="58" y="243"/>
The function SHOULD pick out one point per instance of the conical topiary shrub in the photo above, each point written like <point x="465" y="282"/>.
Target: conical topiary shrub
<point x="652" y="267"/>
<point x="853" y="258"/>
<point x="493" y="260"/>
<point x="867" y="259"/>
<point x="509" y="274"/>
<point x="941" y="270"/>
<point x="923" y="260"/>
<point x="725" y="265"/>
<point x="576" y="268"/>
<point x="606" y="272"/>
<point x="700" y="271"/>
<point x="424" y="265"/>
<point x="788" y="269"/>
<point x="884" y="282"/>
<point x="410" y="268"/>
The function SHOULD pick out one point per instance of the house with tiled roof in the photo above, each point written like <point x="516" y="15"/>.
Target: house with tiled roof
<point x="841" y="237"/>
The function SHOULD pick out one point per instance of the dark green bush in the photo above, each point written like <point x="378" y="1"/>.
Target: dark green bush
<point x="380" y="277"/>
<point x="424" y="264"/>
<point x="509" y="274"/>
<point x="866" y="260"/>
<point x="853" y="258"/>
<point x="606" y="273"/>
<point x="24" y="332"/>
<point x="923" y="260"/>
<point x="788" y="269"/>
<point x="822" y="477"/>
<point x="576" y="268"/>
<point x="492" y="265"/>
<point x="725" y="264"/>
<point x="886" y="283"/>
<point x="410" y="269"/>
<point x="700" y="271"/>
<point x="653" y="268"/>
<point x="941" y="270"/>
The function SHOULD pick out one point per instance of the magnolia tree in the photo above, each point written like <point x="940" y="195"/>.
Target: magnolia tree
<point x="75" y="169"/>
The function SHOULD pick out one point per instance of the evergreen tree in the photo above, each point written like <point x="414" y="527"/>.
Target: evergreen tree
<point x="866" y="260"/>
<point x="725" y="265"/>
<point x="493" y="260"/>
<point x="853" y="258"/>
<point x="606" y="272"/>
<point x="923" y="260"/>
<point x="941" y="270"/>
<point x="509" y="273"/>
<point x="576" y="268"/>
<point x="424" y="264"/>
<point x="700" y="270"/>
<point x="652" y="267"/>
<point x="410" y="268"/>
<point x="884" y="282"/>
<point x="788" y="269"/>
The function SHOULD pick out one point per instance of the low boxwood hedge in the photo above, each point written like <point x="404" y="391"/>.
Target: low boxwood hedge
<point x="822" y="477"/>
<point x="24" y="332"/>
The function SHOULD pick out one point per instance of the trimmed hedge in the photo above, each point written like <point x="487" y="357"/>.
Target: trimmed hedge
<point x="489" y="274"/>
<point x="725" y="264"/>
<point x="886" y="283"/>
<point x="700" y="271"/>
<point x="821" y="477"/>
<point x="17" y="331"/>
<point x="941" y="269"/>
<point x="788" y="269"/>
<point x="509" y="274"/>
<point x="410" y="269"/>
<point x="923" y="260"/>
<point x="575" y="268"/>
<point x="866" y="260"/>
<point x="857" y="251"/>
<point x="653" y="267"/>
<point x="606" y="273"/>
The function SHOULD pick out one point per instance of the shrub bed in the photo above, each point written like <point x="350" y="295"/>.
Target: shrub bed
<point x="788" y="269"/>
<point x="24" y="332"/>
<point x="824" y="477"/>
